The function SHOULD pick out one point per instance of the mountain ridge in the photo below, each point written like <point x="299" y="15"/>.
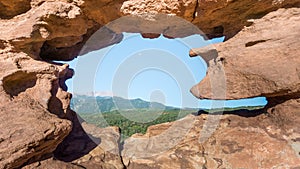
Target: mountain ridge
<point x="100" y="104"/>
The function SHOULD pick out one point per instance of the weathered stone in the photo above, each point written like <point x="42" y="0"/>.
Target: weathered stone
<point x="28" y="131"/>
<point x="91" y="147"/>
<point x="214" y="18"/>
<point x="9" y="9"/>
<point x="259" y="58"/>
<point x="52" y="164"/>
<point x="233" y="142"/>
<point x="257" y="61"/>
<point x="50" y="20"/>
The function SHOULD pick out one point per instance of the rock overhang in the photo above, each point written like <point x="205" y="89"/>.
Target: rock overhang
<point x="57" y="30"/>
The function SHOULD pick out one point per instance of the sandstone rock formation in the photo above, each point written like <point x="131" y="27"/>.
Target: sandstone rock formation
<point x="238" y="142"/>
<point x="259" y="58"/>
<point x="91" y="147"/>
<point x="10" y="9"/>
<point x="29" y="131"/>
<point x="214" y="18"/>
<point x="52" y="163"/>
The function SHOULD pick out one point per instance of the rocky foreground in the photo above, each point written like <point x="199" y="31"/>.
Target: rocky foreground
<point x="260" y="57"/>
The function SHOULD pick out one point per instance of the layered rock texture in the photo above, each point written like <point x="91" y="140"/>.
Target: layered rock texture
<point x="261" y="60"/>
<point x="260" y="57"/>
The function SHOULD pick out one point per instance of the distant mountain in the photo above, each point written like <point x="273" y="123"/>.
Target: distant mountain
<point x="90" y="104"/>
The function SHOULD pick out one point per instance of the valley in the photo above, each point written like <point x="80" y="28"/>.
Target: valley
<point x="134" y="115"/>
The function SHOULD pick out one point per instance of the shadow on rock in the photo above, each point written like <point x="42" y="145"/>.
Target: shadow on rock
<point x="77" y="144"/>
<point x="239" y="112"/>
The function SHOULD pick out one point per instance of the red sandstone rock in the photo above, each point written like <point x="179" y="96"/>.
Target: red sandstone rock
<point x="9" y="9"/>
<point x="52" y="164"/>
<point x="214" y="18"/>
<point x="263" y="141"/>
<point x="28" y="132"/>
<point x="261" y="60"/>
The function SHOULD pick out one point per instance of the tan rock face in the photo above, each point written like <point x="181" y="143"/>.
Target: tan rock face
<point x="91" y="147"/>
<point x="170" y="145"/>
<point x="28" y="132"/>
<point x="264" y="141"/>
<point x="52" y="164"/>
<point x="46" y="29"/>
<point x="51" y="21"/>
<point x="261" y="60"/>
<point x="237" y="142"/>
<point x="9" y="9"/>
<point x="214" y="18"/>
<point x="233" y="15"/>
<point x="183" y="8"/>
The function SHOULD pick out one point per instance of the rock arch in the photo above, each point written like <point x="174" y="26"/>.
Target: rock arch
<point x="32" y="37"/>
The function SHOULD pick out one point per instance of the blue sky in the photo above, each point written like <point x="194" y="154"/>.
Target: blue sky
<point x="151" y="69"/>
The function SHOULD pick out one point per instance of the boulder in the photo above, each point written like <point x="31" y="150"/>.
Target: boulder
<point x="261" y="60"/>
<point x="218" y="141"/>
<point x="28" y="132"/>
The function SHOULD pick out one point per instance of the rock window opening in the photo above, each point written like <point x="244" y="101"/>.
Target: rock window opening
<point x="141" y="82"/>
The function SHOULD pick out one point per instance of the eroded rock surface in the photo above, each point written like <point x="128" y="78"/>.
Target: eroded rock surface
<point x="58" y="29"/>
<point x="52" y="164"/>
<point x="214" y="18"/>
<point x="28" y="132"/>
<point x="237" y="142"/>
<point x="38" y="129"/>
<point x="9" y="9"/>
<point x="91" y="147"/>
<point x="261" y="60"/>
